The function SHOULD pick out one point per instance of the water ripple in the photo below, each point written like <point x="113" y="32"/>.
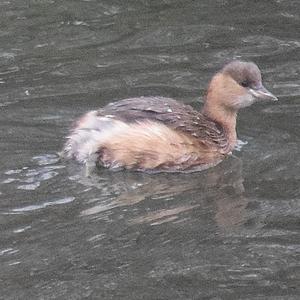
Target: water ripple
<point x="253" y="46"/>
<point x="291" y="109"/>
<point x="29" y="208"/>
<point x="176" y="35"/>
<point x="162" y="216"/>
<point x="31" y="177"/>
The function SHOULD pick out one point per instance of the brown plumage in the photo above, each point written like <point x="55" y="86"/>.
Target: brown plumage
<point x="161" y="134"/>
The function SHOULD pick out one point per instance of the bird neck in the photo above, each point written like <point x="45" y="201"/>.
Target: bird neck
<point x="215" y="110"/>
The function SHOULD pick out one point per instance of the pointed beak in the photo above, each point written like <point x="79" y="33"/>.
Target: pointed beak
<point x="262" y="93"/>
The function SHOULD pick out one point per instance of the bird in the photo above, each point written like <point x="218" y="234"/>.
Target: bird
<point x="160" y="134"/>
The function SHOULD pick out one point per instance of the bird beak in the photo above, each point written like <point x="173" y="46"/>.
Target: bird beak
<point x="262" y="93"/>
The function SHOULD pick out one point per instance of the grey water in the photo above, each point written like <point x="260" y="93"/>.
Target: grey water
<point x="231" y="232"/>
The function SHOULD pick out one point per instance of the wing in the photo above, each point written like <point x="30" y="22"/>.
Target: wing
<point x="170" y="112"/>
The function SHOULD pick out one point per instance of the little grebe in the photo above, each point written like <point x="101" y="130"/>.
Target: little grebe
<point x="161" y="134"/>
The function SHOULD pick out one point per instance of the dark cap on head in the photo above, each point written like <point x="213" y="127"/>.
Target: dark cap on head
<point x="246" y="74"/>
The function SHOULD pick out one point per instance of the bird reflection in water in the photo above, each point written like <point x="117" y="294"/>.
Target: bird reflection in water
<point x="219" y="191"/>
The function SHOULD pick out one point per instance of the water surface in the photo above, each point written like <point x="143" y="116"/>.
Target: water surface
<point x="231" y="232"/>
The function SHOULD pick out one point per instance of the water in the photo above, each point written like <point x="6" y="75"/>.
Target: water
<point x="231" y="232"/>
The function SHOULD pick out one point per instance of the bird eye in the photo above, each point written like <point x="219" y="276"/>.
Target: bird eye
<point x="245" y="83"/>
